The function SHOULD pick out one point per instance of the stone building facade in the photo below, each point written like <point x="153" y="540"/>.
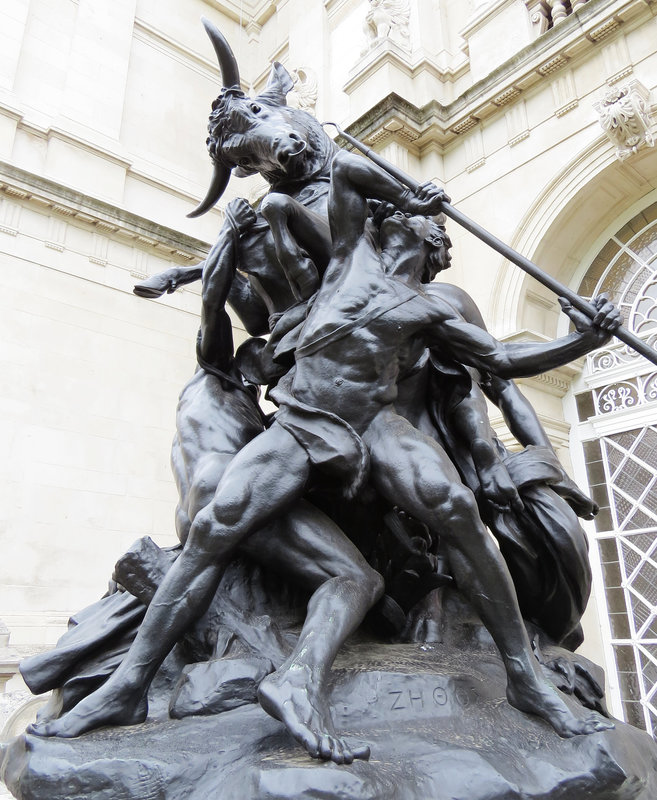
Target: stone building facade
<point x="537" y="116"/>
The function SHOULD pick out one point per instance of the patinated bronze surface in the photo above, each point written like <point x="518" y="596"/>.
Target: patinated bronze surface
<point x="362" y="510"/>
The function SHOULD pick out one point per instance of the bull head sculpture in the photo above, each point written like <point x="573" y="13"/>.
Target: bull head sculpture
<point x="261" y="134"/>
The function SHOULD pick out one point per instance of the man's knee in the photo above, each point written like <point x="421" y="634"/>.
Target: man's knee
<point x="217" y="526"/>
<point x="452" y="501"/>
<point x="275" y="206"/>
<point x="463" y="502"/>
<point x="360" y="581"/>
<point x="202" y="533"/>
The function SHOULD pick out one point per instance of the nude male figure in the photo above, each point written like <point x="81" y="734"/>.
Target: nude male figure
<point x="217" y="416"/>
<point x="343" y="389"/>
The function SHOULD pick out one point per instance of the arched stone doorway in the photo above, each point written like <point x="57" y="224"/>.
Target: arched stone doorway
<point x="594" y="226"/>
<point x="616" y="402"/>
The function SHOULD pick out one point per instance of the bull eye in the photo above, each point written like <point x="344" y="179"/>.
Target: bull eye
<point x="244" y="162"/>
<point x="255" y="108"/>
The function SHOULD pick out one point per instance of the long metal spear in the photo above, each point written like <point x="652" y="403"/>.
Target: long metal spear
<point x="509" y="253"/>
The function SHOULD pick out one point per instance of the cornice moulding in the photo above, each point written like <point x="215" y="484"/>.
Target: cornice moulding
<point x="26" y="186"/>
<point x="266" y="9"/>
<point x="503" y="86"/>
<point x="171" y="47"/>
<point x="10" y="111"/>
<point x="247" y="10"/>
<point x="480" y="19"/>
<point x="169" y="182"/>
<point x="426" y="122"/>
<point x="161" y="178"/>
<point x="114" y="157"/>
<point x="232" y="9"/>
<point x="390" y="53"/>
<point x="74" y="134"/>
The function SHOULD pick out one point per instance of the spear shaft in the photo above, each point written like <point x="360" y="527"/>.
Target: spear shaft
<point x="509" y="253"/>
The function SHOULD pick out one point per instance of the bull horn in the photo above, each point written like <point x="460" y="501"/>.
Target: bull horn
<point x="220" y="178"/>
<point x="230" y="73"/>
<point x="230" y="77"/>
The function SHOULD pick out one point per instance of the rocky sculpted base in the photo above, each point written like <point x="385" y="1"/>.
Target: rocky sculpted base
<point x="435" y="717"/>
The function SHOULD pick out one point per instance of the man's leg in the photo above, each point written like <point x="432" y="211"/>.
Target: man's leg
<point x="308" y="547"/>
<point x="261" y="481"/>
<point x="302" y="241"/>
<point x="411" y="470"/>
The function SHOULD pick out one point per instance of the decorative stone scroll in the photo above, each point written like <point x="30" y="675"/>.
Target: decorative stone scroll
<point x="545" y="14"/>
<point x="625" y="117"/>
<point x="539" y="14"/>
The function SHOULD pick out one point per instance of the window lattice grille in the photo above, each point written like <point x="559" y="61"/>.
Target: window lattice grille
<point x="626" y="268"/>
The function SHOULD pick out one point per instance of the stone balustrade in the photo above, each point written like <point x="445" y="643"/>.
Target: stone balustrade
<point x="546" y="14"/>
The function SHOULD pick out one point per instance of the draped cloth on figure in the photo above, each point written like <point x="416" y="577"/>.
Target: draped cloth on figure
<point x="544" y="545"/>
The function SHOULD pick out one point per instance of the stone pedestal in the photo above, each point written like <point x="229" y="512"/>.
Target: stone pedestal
<point x="436" y="718"/>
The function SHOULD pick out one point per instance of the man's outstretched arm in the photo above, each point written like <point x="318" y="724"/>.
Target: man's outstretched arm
<point x="354" y="180"/>
<point x="248" y="305"/>
<point x="475" y="347"/>
<point x="216" y="337"/>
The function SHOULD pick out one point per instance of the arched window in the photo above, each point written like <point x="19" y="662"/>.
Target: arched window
<point x="617" y="409"/>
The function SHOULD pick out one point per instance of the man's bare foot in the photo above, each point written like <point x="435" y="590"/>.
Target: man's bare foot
<point x="496" y="484"/>
<point x="102" y="707"/>
<point x="156" y="285"/>
<point x="167" y="281"/>
<point x="538" y="697"/>
<point x="289" y="696"/>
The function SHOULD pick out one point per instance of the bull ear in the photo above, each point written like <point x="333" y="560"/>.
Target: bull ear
<point x="220" y="179"/>
<point x="278" y="85"/>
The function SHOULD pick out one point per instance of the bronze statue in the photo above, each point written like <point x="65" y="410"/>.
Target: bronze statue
<point x="336" y="413"/>
<point x="280" y="259"/>
<point x="381" y="450"/>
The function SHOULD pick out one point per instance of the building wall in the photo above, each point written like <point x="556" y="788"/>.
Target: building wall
<point x="102" y="126"/>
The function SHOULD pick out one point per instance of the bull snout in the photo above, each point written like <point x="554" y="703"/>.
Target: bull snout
<point x="288" y="147"/>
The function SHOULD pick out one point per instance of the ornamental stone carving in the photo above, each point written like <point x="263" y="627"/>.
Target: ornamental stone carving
<point x="387" y="20"/>
<point x="625" y="117"/>
<point x="304" y="93"/>
<point x="539" y="14"/>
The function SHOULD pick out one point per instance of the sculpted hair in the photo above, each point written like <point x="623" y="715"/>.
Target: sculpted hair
<point x="218" y="124"/>
<point x="437" y="238"/>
